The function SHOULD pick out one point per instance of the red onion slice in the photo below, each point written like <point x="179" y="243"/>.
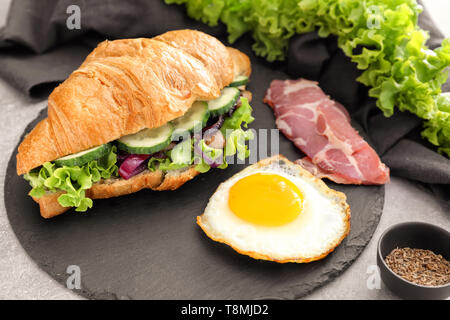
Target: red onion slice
<point x="133" y="164"/>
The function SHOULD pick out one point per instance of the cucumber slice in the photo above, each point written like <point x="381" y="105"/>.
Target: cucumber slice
<point x="194" y="119"/>
<point x="147" y="141"/>
<point x="223" y="103"/>
<point x="80" y="158"/>
<point x="239" y="81"/>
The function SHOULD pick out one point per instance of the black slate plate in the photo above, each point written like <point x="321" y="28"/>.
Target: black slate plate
<point x="147" y="245"/>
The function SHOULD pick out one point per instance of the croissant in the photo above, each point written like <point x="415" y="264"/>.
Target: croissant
<point x="122" y="87"/>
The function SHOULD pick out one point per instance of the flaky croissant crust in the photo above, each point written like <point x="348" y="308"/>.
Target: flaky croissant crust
<point x="127" y="85"/>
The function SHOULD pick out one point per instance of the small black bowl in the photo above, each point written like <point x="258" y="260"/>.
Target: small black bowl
<point x="418" y="235"/>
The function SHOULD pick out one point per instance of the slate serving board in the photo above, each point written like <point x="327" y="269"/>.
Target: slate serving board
<point x="147" y="245"/>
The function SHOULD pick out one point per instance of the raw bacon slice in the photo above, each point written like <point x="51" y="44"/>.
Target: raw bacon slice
<point x="321" y="128"/>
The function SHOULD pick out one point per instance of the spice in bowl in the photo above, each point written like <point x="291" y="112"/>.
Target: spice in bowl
<point x="419" y="266"/>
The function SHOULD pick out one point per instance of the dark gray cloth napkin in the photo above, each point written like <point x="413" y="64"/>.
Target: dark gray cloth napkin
<point x="37" y="51"/>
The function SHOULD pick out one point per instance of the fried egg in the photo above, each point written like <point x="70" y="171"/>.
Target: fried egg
<point x="276" y="210"/>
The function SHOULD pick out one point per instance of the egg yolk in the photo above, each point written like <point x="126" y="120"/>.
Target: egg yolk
<point x="265" y="199"/>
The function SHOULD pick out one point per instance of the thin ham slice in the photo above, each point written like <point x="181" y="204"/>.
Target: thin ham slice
<point x="321" y="128"/>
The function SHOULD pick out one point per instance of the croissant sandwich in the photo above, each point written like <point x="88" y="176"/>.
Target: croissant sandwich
<point x="138" y="113"/>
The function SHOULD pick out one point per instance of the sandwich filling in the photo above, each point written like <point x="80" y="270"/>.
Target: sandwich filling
<point x="203" y="138"/>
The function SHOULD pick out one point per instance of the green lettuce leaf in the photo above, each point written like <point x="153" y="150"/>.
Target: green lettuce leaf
<point x="153" y="163"/>
<point x="437" y="129"/>
<point x="177" y="158"/>
<point x="72" y="180"/>
<point x="236" y="143"/>
<point x="202" y="167"/>
<point x="242" y="116"/>
<point x="168" y="165"/>
<point x="212" y="153"/>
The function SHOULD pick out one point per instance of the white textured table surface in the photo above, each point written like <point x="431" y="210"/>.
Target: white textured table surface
<point x="20" y="278"/>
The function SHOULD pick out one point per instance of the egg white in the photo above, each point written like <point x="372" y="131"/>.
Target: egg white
<point x="317" y="230"/>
